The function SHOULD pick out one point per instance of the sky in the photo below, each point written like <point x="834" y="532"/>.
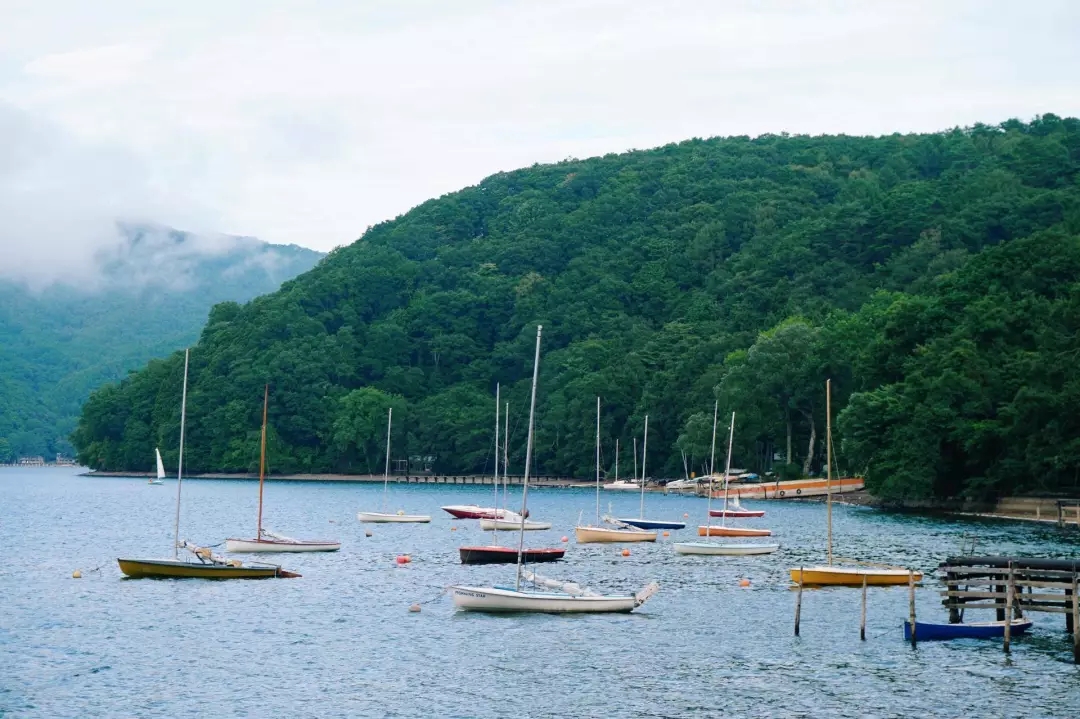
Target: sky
<point x="306" y="123"/>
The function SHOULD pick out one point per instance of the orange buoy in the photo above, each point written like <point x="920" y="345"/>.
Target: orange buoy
<point x="685" y="515"/>
<point x="453" y="529"/>
<point x="667" y="534"/>
<point x="565" y="539"/>
<point x="625" y="552"/>
<point x="403" y="559"/>
<point x="744" y="582"/>
<point x="414" y="607"/>
<point x="76" y="574"/>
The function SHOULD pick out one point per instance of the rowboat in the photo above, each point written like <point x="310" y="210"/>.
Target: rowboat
<point x="265" y="540"/>
<point x="473" y="511"/>
<point x="851" y="576"/>
<point x="727" y="550"/>
<point x="512" y="523"/>
<point x="179" y="568"/>
<point x="586" y="535"/>
<point x="970" y="630"/>
<point x="386" y="517"/>
<point x="493" y="554"/>
<point x="653" y="524"/>
<point x="714" y="531"/>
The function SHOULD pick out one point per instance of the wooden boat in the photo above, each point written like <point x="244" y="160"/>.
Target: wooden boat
<point x="160" y="479"/>
<point x="265" y="540"/>
<point x="207" y="565"/>
<point x="516" y="600"/>
<point x="831" y="575"/>
<point x="721" y="531"/>
<point x="512" y="524"/>
<point x="925" y="631"/>
<point x="824" y="576"/>
<point x="653" y="524"/>
<point x="494" y="554"/>
<point x="591" y="535"/>
<point x="724" y="549"/>
<point x="385" y="517"/>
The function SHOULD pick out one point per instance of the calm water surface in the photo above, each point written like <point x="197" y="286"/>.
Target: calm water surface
<point x="340" y="641"/>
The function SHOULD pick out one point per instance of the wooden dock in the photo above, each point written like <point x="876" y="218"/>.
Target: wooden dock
<point x="1014" y="585"/>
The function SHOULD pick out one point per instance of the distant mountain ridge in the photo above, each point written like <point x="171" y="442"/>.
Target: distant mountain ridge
<point x="150" y="295"/>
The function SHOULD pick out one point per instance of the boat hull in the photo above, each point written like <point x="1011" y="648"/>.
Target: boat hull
<point x="592" y="535"/>
<point x="726" y="550"/>
<point x="176" y="568"/>
<point x="926" y="631"/>
<point x="653" y="524"/>
<point x="512" y="525"/>
<point x="851" y="576"/>
<point x="156" y="481"/>
<point x="245" y="546"/>
<point x="621" y="486"/>
<point x="473" y="511"/>
<point x="714" y="531"/>
<point x="791" y="489"/>
<point x="507" y="555"/>
<point x="743" y="513"/>
<point x="386" y="518"/>
<point x="499" y="600"/>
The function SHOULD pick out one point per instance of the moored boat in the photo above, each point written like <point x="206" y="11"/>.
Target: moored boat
<point x="474" y="511"/>
<point x="512" y="523"/>
<point x="825" y="576"/>
<point x="971" y="630"/>
<point x="179" y="568"/>
<point x="386" y="517"/>
<point x="653" y="523"/>
<point x="714" y="531"/>
<point x="623" y="485"/>
<point x="587" y="535"/>
<point x="493" y="554"/>
<point x="723" y="549"/>
<point x="737" y="513"/>
<point x="505" y="599"/>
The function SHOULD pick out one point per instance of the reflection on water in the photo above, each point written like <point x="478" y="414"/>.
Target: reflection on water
<point x="340" y="641"/>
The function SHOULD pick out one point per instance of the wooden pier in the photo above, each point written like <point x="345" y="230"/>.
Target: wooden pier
<point x="1014" y="585"/>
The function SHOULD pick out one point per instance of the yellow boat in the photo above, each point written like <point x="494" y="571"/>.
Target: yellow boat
<point x="851" y="576"/>
<point x="587" y="535"/>
<point x="166" y="568"/>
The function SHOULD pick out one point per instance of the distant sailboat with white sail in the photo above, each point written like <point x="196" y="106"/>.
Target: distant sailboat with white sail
<point x="160" y="479"/>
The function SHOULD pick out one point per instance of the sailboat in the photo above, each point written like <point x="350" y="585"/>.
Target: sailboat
<point x="208" y="564"/>
<point x="570" y="597"/>
<point x="641" y="522"/>
<point x="384" y="516"/>
<point x="495" y="553"/>
<point x="265" y="540"/>
<point x="715" y="548"/>
<point x="160" y="479"/>
<point x="586" y="534"/>
<point x="711" y="530"/>
<point x="844" y="576"/>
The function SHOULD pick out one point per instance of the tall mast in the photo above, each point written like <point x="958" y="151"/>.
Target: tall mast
<point x="712" y="457"/>
<point x="727" y="467"/>
<point x="386" y="471"/>
<point x="180" y="464"/>
<point x="494" y="530"/>
<point x="644" y="445"/>
<point x="635" y="458"/>
<point x="506" y="449"/>
<point x="528" y="459"/>
<point x="262" y="461"/>
<point x="616" y="459"/>
<point x="598" y="461"/>
<point x="828" y="463"/>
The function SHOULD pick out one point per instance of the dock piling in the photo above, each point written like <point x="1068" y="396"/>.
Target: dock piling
<point x="911" y="604"/>
<point x="1076" y="619"/>
<point x="862" y="622"/>
<point x="1009" y="595"/>
<point x="798" y="602"/>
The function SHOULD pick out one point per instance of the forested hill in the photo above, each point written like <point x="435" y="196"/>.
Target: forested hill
<point x="148" y="295"/>
<point x="935" y="278"/>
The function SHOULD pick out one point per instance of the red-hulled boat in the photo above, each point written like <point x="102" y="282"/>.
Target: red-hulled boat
<point x="507" y="555"/>
<point x="736" y="512"/>
<point x="473" y="511"/>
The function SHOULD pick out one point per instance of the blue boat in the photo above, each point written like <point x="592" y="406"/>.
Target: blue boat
<point x="926" y="631"/>
<point x="653" y="524"/>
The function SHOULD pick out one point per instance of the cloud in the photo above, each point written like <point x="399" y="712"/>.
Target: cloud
<point x="304" y="123"/>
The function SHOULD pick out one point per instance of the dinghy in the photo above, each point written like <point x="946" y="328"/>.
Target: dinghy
<point x="640" y="522"/>
<point x="160" y="479"/>
<point x="721" y="531"/>
<point x="516" y="600"/>
<point x="494" y="554"/>
<point x="474" y="511"/>
<point x="385" y="517"/>
<point x="726" y="550"/>
<point x="971" y="630"/>
<point x="512" y="523"/>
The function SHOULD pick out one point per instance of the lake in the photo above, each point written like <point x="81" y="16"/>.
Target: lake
<point x="340" y="641"/>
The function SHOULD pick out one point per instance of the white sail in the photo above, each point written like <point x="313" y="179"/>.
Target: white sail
<point x="160" y="465"/>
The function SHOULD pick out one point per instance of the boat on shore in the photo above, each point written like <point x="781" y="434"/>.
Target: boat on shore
<point x="796" y="488"/>
<point x="925" y="631"/>
<point x="623" y="485"/>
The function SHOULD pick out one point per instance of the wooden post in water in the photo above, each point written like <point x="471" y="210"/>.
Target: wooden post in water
<point x="911" y="603"/>
<point x="1076" y="619"/>
<point x="862" y="623"/>
<point x="1068" y="615"/>
<point x="952" y="585"/>
<point x="1000" y="611"/>
<point x="798" y="603"/>
<point x="1009" y="607"/>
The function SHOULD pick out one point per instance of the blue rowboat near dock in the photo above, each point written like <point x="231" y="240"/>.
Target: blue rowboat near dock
<point x="926" y="631"/>
<point x="653" y="524"/>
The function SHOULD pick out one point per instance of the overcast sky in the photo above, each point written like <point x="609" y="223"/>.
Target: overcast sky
<point x="305" y="123"/>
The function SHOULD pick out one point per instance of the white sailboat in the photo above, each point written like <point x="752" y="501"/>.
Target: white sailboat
<point x="570" y="597"/>
<point x="160" y="479"/>
<point x="265" y="540"/>
<point x="597" y="532"/>
<point x="385" y="517"/>
<point x="640" y="522"/>
<point x="722" y="548"/>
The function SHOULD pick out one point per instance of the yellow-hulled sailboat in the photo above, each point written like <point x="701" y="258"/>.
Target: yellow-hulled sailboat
<point x="829" y="575"/>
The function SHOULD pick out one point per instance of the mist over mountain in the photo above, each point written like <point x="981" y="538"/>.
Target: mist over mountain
<point x="142" y="297"/>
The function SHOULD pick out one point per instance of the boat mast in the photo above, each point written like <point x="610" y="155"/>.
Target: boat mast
<point x="828" y="464"/>
<point x="644" y="445"/>
<point x="506" y="450"/>
<point x="180" y="464"/>
<point x="528" y="459"/>
<point x="712" y="458"/>
<point x="598" y="461"/>
<point x="616" y="459"/>
<point x="494" y="529"/>
<point x="386" y="472"/>
<point x="727" y="468"/>
<point x="635" y="457"/>
<point x="262" y="461"/>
